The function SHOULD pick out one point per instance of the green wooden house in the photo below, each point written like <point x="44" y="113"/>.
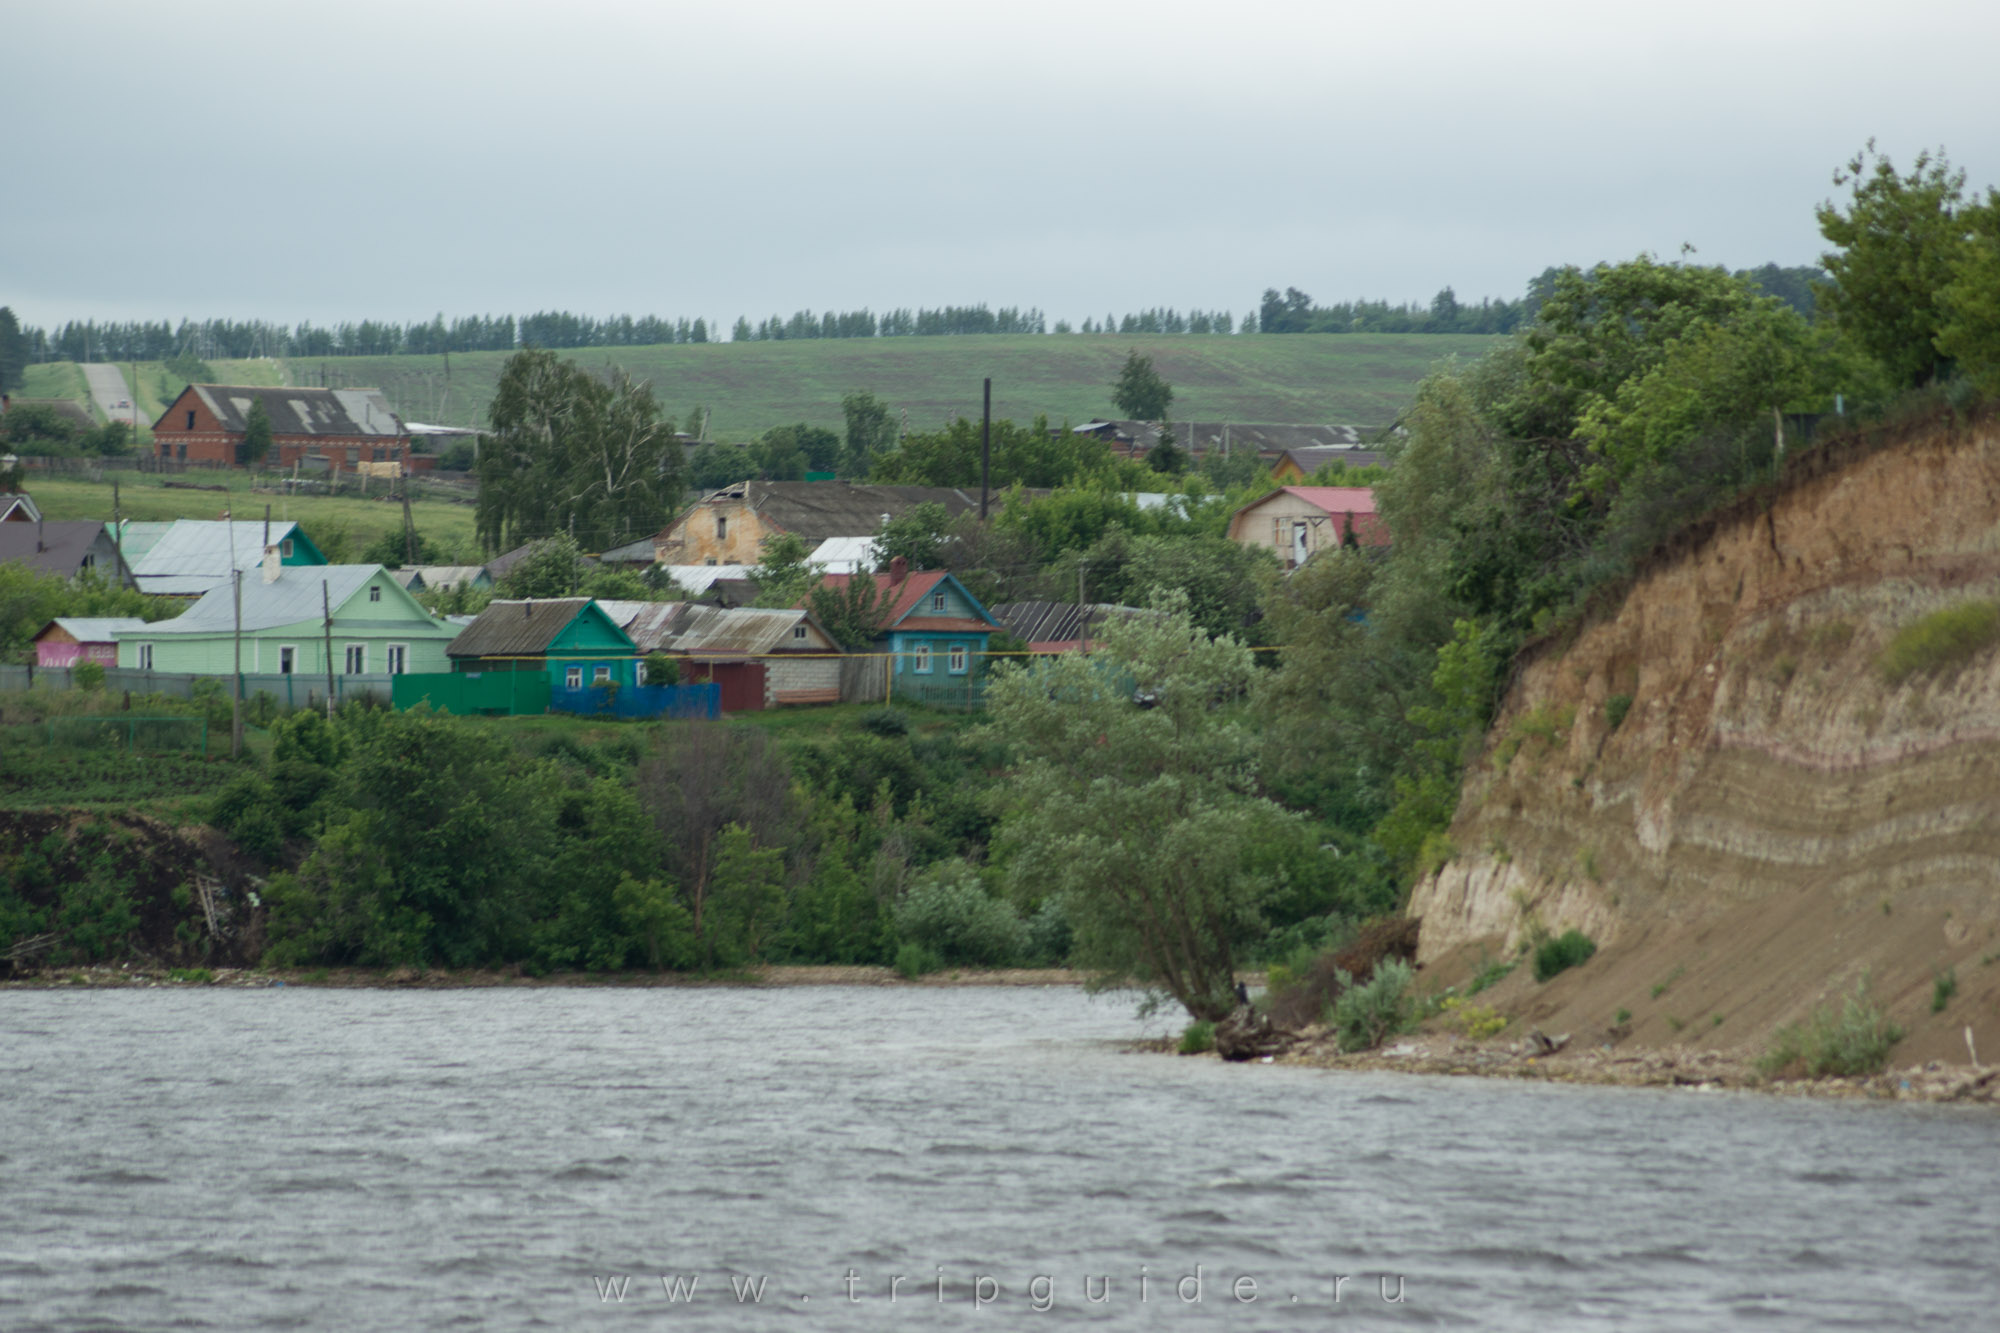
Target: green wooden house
<point x="570" y="639"/>
<point x="377" y="628"/>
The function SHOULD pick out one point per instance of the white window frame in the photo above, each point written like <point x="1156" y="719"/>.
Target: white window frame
<point x="145" y="657"/>
<point x="573" y="678"/>
<point x="600" y="675"/>
<point x="798" y="631"/>
<point x="355" y="653"/>
<point x="937" y="600"/>
<point x="922" y="653"/>
<point x="288" y="659"/>
<point x="398" y="658"/>
<point x="956" y="659"/>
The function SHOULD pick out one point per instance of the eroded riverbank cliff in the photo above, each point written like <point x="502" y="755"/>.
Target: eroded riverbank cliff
<point x="1718" y="782"/>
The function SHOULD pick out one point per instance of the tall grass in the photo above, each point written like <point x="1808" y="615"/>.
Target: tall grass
<point x="1941" y="643"/>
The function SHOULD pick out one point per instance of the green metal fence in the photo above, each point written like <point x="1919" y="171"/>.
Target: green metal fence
<point x="491" y="693"/>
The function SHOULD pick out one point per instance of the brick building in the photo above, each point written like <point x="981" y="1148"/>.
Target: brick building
<point x="341" y="428"/>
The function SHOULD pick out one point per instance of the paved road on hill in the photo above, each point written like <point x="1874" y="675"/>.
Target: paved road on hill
<point x="113" y="394"/>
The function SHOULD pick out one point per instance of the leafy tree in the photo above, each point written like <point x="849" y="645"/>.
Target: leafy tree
<point x="1029" y="455"/>
<point x="783" y="572"/>
<point x="790" y="450"/>
<point x="870" y="431"/>
<point x="256" y="433"/>
<point x="1970" y="333"/>
<point x="918" y="535"/>
<point x="553" y="567"/>
<point x="747" y="900"/>
<point x="1140" y="391"/>
<point x="572" y="453"/>
<point x="34" y="428"/>
<point x="13" y="351"/>
<point x="853" y="612"/>
<point x="705" y="780"/>
<point x="718" y="465"/>
<point x="391" y="551"/>
<point x="1142" y="821"/>
<point x="1899" y="244"/>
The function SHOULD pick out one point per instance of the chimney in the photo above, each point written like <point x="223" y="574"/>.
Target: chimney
<point x="273" y="566"/>
<point x="899" y="569"/>
<point x="527" y="608"/>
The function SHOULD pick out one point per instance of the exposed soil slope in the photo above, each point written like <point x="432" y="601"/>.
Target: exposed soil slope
<point x="1771" y="818"/>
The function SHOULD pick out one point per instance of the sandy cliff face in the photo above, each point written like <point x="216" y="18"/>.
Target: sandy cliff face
<point x="1768" y="818"/>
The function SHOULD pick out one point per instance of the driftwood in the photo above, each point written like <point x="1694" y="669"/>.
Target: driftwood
<point x="1249" y="1035"/>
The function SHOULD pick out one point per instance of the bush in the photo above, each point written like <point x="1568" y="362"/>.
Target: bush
<point x="1615" y="709"/>
<point x="1849" y="1041"/>
<point x="1944" y="985"/>
<point x="1570" y="949"/>
<point x="1365" y="1016"/>
<point x="89" y="676"/>
<point x="914" y="960"/>
<point x="1199" y="1037"/>
<point x="949" y="912"/>
<point x="886" y="722"/>
<point x="1941" y="643"/>
<point x="662" y="670"/>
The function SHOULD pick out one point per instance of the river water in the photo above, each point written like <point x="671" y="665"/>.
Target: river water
<point x="914" y="1158"/>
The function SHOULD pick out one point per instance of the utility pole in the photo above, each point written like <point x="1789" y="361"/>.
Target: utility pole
<point x="985" y="450"/>
<point x="326" y="610"/>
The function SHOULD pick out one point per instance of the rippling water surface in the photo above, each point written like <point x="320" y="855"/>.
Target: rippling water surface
<point x="292" y="1158"/>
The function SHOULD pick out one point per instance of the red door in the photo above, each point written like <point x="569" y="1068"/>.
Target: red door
<point x="742" y="684"/>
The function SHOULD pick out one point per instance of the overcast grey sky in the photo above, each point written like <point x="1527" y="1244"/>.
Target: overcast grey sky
<point x="297" y="161"/>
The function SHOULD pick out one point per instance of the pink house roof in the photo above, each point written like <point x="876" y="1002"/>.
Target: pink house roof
<point x="1349" y="504"/>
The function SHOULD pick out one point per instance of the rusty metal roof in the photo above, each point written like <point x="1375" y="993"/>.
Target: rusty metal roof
<point x="697" y="629"/>
<point x="517" y="629"/>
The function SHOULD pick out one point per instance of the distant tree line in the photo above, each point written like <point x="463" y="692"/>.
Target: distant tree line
<point x="1293" y="311"/>
<point x="899" y="323"/>
<point x="1290" y="311"/>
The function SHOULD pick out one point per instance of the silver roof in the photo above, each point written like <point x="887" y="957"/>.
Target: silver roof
<point x="292" y="598"/>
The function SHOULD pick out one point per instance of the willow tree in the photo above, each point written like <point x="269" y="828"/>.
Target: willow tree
<point x="574" y="453"/>
<point x="1133" y="803"/>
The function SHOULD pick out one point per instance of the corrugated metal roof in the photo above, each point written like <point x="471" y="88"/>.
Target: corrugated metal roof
<point x="697" y="578"/>
<point x="846" y="555"/>
<point x="135" y="538"/>
<point x="288" y="600"/>
<point x="438" y="577"/>
<point x="297" y="411"/>
<point x="517" y="629"/>
<point x="701" y="630"/>
<point x="95" y="629"/>
<point x="195" y="555"/>
<point x="1053" y="622"/>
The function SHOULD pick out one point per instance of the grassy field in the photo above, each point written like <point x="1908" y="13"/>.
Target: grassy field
<point x="341" y="525"/>
<point x="1336" y="379"/>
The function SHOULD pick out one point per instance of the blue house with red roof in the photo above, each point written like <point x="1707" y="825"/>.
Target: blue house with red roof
<point x="935" y="631"/>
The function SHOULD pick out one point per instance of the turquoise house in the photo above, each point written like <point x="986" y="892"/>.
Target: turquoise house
<point x="377" y="628"/>
<point x="570" y="639"/>
<point x="936" y="633"/>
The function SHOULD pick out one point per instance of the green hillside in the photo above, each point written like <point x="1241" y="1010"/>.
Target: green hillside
<point x="1349" y="379"/>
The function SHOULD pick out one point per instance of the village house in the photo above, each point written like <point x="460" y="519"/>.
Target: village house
<point x="569" y="639"/>
<point x="189" y="557"/>
<point x="340" y="429"/>
<point x="69" y="640"/>
<point x="376" y="628"/>
<point x="1294" y="522"/>
<point x="65" y="548"/>
<point x="729" y="526"/>
<point x="761" y="657"/>
<point x="933" y="629"/>
<point x="17" y="508"/>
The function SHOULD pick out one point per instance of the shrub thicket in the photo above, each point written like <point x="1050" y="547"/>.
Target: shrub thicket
<point x="1570" y="949"/>
<point x="1850" y="1039"/>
